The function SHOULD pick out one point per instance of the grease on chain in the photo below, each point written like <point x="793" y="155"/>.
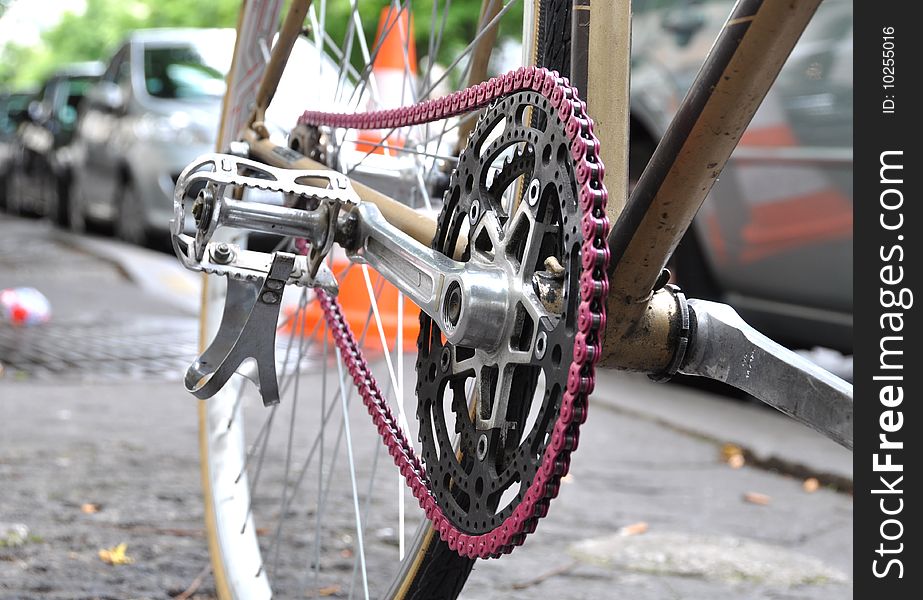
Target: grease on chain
<point x="591" y="311"/>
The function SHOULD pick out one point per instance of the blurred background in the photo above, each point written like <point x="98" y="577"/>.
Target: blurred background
<point x="104" y="102"/>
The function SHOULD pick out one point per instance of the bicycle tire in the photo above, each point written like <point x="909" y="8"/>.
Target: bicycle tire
<point x="430" y="570"/>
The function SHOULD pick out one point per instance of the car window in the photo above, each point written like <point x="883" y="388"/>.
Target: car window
<point x="77" y="88"/>
<point x="180" y="72"/>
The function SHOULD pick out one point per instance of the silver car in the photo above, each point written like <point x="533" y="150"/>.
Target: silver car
<point x="154" y="110"/>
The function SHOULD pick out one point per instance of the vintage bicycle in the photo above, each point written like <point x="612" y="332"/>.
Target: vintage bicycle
<point x="505" y="246"/>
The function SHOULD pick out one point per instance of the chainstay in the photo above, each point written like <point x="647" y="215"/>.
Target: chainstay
<point x="591" y="315"/>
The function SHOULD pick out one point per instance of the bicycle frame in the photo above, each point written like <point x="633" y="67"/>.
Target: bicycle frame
<point x="742" y="65"/>
<point x="650" y="331"/>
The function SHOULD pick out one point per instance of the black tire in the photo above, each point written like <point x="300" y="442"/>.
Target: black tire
<point x="14" y="194"/>
<point x="553" y="44"/>
<point x="76" y="220"/>
<point x="130" y="224"/>
<point x="4" y="177"/>
<point x="58" y="206"/>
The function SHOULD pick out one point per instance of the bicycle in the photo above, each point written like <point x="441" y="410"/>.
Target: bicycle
<point x="519" y="280"/>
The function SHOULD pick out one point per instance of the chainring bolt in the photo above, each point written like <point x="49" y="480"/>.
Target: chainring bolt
<point x="474" y="212"/>
<point x="270" y="297"/>
<point x="532" y="193"/>
<point x="541" y="345"/>
<point x="482" y="447"/>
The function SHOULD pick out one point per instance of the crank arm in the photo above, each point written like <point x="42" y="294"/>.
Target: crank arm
<point x="726" y="348"/>
<point x="465" y="299"/>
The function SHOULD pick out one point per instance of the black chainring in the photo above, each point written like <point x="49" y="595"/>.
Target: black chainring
<point x="492" y="173"/>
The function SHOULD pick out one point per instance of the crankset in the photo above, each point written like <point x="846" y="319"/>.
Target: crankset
<point x="511" y="291"/>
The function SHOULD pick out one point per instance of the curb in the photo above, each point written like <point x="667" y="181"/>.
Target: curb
<point x="769" y="439"/>
<point x="159" y="274"/>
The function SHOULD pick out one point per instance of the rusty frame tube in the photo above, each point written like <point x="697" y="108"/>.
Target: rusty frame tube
<point x="740" y="68"/>
<point x="288" y="34"/>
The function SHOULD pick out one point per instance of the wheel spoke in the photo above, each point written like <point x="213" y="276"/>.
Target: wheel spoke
<point x="384" y="344"/>
<point x="352" y="477"/>
<point x="291" y="428"/>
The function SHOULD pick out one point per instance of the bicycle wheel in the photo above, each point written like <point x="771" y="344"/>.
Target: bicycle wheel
<point x="300" y="498"/>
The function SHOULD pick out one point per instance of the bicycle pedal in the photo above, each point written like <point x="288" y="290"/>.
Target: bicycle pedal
<point x="245" y="341"/>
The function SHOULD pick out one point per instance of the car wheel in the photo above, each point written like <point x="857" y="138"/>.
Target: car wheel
<point x="76" y="221"/>
<point x="13" y="197"/>
<point x="4" y="192"/>
<point x="58" y="200"/>
<point x="691" y="270"/>
<point x="130" y="219"/>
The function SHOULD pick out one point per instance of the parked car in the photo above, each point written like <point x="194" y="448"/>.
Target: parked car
<point x="774" y="238"/>
<point x="13" y="111"/>
<point x="41" y="168"/>
<point x="155" y="108"/>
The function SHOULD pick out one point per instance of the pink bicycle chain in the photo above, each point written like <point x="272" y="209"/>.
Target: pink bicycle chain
<point x="591" y="315"/>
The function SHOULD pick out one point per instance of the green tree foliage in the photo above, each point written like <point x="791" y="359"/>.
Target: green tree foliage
<point x="94" y="34"/>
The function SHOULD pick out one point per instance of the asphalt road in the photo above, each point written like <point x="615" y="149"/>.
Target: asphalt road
<point x="98" y="447"/>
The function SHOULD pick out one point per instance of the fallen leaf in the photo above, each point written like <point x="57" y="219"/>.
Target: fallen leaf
<point x="634" y="529"/>
<point x="733" y="455"/>
<point x="346" y="553"/>
<point x="89" y="508"/>
<point x="330" y="590"/>
<point x="116" y="555"/>
<point x="811" y="485"/>
<point x="757" y="498"/>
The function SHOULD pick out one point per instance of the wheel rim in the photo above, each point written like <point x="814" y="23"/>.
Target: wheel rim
<point x="241" y="461"/>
